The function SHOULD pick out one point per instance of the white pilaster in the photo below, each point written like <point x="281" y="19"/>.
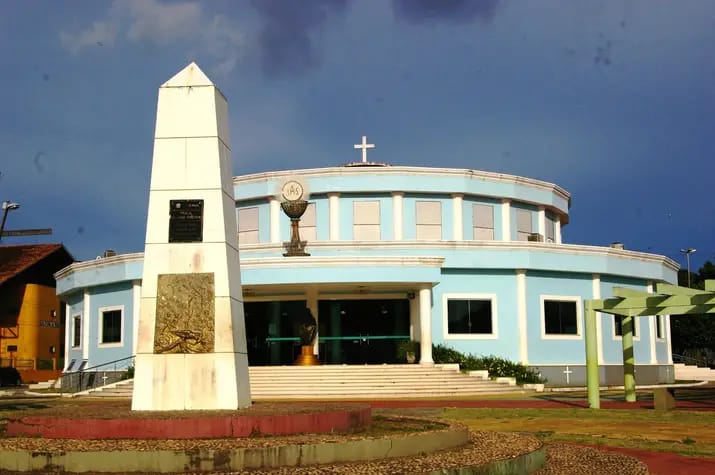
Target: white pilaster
<point x="506" y="220"/>
<point x="596" y="294"/>
<point x="274" y="209"/>
<point x="521" y="316"/>
<point x="334" y="216"/>
<point x="192" y="161"/>
<point x="666" y="322"/>
<point x="397" y="211"/>
<point x="457" y="217"/>
<point x="541" y="216"/>
<point x="651" y="329"/>
<point x="136" y="304"/>
<point x="414" y="318"/>
<point x="557" y="229"/>
<point x="425" y="296"/>
<point x="69" y="325"/>
<point x="86" y="317"/>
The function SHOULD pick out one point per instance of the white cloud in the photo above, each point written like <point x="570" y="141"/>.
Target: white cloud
<point x="162" y="24"/>
<point x="99" y="33"/>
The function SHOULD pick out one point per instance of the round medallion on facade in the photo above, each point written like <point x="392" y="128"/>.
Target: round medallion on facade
<point x="292" y="191"/>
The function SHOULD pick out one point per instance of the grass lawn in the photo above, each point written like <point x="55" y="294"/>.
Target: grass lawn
<point x="682" y="432"/>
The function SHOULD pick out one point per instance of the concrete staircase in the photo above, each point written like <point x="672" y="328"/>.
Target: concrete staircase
<point x="693" y="373"/>
<point x="353" y="382"/>
<point x="50" y="384"/>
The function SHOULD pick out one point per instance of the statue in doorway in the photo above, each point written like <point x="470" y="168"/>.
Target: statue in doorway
<point x="306" y="327"/>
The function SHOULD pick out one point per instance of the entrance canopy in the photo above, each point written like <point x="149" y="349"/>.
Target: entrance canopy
<point x="667" y="300"/>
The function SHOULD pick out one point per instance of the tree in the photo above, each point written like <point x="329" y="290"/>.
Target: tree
<point x="693" y="336"/>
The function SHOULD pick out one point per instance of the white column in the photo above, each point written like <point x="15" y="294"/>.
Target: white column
<point x="666" y="322"/>
<point x="557" y="229"/>
<point x="426" y="326"/>
<point x="506" y="220"/>
<point x="414" y="318"/>
<point x="275" y="217"/>
<point x="136" y="302"/>
<point x="86" y="317"/>
<point x="541" y="216"/>
<point x="334" y="216"/>
<point x="457" y="220"/>
<point x="397" y="207"/>
<point x="69" y="325"/>
<point x="651" y="329"/>
<point x="521" y="315"/>
<point x="596" y="294"/>
<point x="311" y="301"/>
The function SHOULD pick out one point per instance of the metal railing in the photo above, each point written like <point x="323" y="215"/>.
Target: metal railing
<point x="701" y="362"/>
<point x="81" y="378"/>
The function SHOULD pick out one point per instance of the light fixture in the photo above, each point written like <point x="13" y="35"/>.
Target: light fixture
<point x="687" y="253"/>
<point x="7" y="206"/>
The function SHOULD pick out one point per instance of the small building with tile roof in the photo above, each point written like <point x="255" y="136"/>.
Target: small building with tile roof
<point x="31" y="316"/>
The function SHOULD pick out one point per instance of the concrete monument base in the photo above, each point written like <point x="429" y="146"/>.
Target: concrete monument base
<point x="179" y="381"/>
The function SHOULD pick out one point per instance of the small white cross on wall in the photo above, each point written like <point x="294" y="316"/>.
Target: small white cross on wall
<point x="364" y="146"/>
<point x="568" y="372"/>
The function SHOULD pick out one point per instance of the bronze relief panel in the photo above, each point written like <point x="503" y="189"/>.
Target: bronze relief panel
<point x="184" y="313"/>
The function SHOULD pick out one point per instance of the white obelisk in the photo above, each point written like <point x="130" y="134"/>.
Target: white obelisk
<point x="191" y="348"/>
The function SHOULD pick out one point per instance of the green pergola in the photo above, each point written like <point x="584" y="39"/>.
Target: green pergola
<point x="667" y="300"/>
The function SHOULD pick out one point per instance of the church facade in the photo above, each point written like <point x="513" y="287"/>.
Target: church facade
<point x="468" y="259"/>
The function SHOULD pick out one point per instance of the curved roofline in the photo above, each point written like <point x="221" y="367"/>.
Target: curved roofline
<point x="467" y="173"/>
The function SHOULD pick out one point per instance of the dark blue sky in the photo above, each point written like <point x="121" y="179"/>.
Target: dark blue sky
<point x="612" y="100"/>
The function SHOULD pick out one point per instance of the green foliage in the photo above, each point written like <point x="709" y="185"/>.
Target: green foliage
<point x="497" y="367"/>
<point x="129" y="374"/>
<point x="407" y="346"/>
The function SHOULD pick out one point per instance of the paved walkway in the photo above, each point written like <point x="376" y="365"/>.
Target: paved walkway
<point x="659" y="463"/>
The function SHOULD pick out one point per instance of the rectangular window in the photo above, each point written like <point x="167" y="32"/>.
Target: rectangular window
<point x="550" y="229"/>
<point x="659" y="327"/>
<point x="76" y="331"/>
<point x="618" y="325"/>
<point x="110" y="326"/>
<point x="483" y="222"/>
<point x="523" y="224"/>
<point x="469" y="317"/>
<point x="429" y="220"/>
<point x="307" y="224"/>
<point x="561" y="317"/>
<point x="248" y="225"/>
<point x="366" y="220"/>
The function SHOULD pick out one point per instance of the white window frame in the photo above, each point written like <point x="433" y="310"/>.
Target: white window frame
<point x="524" y="235"/>
<point x="251" y="231"/>
<point x="76" y="316"/>
<point x="420" y="225"/>
<point x="579" y="316"/>
<point x="308" y="228"/>
<point x="100" y="327"/>
<point x="494" y="335"/>
<point x="549" y="230"/>
<point x="371" y="224"/>
<point x="659" y="327"/>
<point x="475" y="207"/>
<point x="636" y="327"/>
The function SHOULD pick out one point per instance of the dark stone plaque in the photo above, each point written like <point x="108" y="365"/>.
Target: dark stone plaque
<point x="184" y="313"/>
<point x="186" y="219"/>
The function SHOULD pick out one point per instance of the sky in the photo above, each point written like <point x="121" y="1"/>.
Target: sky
<point x="612" y="100"/>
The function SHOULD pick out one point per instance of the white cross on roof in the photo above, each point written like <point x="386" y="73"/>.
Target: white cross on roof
<point x="364" y="146"/>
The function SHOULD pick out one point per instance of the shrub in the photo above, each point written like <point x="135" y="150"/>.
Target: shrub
<point x="497" y="367"/>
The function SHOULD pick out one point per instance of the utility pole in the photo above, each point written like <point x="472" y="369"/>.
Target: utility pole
<point x="687" y="253"/>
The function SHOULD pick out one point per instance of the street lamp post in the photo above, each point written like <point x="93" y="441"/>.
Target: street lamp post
<point x="6" y="207"/>
<point x="687" y="253"/>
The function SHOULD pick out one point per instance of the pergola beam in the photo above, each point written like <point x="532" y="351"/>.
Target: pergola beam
<point x="669" y="300"/>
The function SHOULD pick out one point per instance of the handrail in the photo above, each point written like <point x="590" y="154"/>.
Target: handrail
<point x="690" y="359"/>
<point x="335" y="338"/>
<point x="83" y="370"/>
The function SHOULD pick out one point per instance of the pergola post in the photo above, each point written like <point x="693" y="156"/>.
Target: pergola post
<point x="629" y="373"/>
<point x="592" y="382"/>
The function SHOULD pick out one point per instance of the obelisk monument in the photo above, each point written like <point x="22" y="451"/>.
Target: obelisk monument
<point x="191" y="348"/>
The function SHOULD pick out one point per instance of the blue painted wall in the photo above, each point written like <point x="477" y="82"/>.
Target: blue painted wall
<point x="613" y="346"/>
<point x="110" y="296"/>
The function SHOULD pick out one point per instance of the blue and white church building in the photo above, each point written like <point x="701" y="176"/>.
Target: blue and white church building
<point x="469" y="259"/>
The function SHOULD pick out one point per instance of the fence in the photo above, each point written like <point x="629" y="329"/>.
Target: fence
<point x="79" y="378"/>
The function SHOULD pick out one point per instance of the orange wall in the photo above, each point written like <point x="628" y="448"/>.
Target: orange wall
<point x="36" y="329"/>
